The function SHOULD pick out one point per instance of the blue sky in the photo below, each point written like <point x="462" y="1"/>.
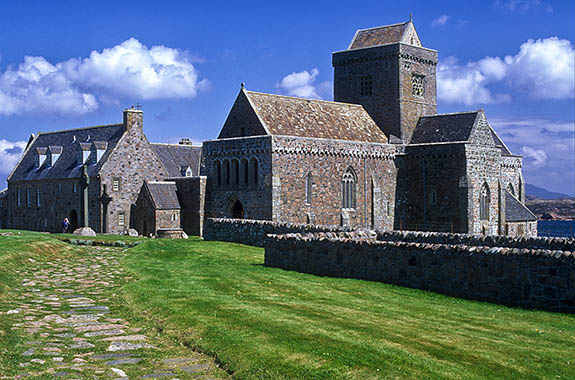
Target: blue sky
<point x="68" y="64"/>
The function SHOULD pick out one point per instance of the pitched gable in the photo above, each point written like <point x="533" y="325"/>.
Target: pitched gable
<point x="390" y="34"/>
<point x="482" y="133"/>
<point x="290" y="116"/>
<point x="242" y="120"/>
<point x="163" y="195"/>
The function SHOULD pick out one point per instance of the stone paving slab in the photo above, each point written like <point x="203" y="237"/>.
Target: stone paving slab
<point x="74" y="333"/>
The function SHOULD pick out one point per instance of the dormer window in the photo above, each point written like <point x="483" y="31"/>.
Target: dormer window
<point x="84" y="153"/>
<point x="40" y="157"/>
<point x="54" y="154"/>
<point x="186" y="171"/>
<point x="100" y="148"/>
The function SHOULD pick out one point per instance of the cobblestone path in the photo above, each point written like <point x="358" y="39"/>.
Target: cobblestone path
<point x="70" y="331"/>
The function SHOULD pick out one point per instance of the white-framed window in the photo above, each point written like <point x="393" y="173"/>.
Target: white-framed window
<point x="174" y="217"/>
<point x="116" y="184"/>
<point x="121" y="218"/>
<point x="38" y="201"/>
<point x="28" y="197"/>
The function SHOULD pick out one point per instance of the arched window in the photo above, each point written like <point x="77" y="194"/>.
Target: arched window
<point x="484" y="202"/>
<point x="308" y="188"/>
<point x="244" y="172"/>
<point x="348" y="189"/>
<point x="226" y="171"/>
<point x="218" y="173"/>
<point x="511" y="189"/>
<point x="254" y="171"/>
<point x="235" y="173"/>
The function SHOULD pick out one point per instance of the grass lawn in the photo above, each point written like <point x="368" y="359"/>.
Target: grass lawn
<point x="267" y="323"/>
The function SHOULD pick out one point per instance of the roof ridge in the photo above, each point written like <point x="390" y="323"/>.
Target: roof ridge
<point x="384" y="26"/>
<point x="451" y="113"/>
<point x="161" y="183"/>
<point x="81" y="128"/>
<point x="177" y="144"/>
<point x="298" y="98"/>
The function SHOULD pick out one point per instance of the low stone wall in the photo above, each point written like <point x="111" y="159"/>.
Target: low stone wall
<point x="253" y="232"/>
<point x="561" y="244"/>
<point x="530" y="278"/>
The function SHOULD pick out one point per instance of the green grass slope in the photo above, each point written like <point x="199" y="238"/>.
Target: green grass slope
<point x="267" y="323"/>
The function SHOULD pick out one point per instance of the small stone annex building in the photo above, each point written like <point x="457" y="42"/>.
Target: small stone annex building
<point x="378" y="156"/>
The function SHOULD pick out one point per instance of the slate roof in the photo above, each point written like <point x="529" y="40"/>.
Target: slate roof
<point x="68" y="142"/>
<point x="382" y="35"/>
<point x="164" y="195"/>
<point x="500" y="144"/>
<point x="516" y="211"/>
<point x="290" y="116"/>
<point x="444" y="128"/>
<point x="176" y="157"/>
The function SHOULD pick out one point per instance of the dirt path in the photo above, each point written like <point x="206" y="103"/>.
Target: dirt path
<point x="68" y="323"/>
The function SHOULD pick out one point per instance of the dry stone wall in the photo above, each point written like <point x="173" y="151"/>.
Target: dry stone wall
<point x="530" y="278"/>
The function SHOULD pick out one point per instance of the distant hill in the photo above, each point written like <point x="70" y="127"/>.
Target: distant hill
<point x="532" y="192"/>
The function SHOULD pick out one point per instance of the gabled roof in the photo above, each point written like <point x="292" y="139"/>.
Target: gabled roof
<point x="290" y="116"/>
<point x="383" y="35"/>
<point x="177" y="156"/>
<point x="68" y="143"/>
<point x="164" y="195"/>
<point x="454" y="127"/>
<point x="3" y="193"/>
<point x="500" y="144"/>
<point x="516" y="211"/>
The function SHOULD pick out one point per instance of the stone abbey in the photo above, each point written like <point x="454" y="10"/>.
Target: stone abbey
<point x="378" y="156"/>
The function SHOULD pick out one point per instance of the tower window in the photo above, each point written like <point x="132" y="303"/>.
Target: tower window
<point x="365" y="85"/>
<point x="308" y="188"/>
<point x="417" y="84"/>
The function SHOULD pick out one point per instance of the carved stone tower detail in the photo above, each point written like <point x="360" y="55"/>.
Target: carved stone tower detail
<point x="387" y="71"/>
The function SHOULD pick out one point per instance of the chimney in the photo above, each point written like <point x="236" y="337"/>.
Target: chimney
<point x="133" y="118"/>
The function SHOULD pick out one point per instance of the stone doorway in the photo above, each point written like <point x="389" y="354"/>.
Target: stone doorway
<point x="73" y="219"/>
<point x="236" y="210"/>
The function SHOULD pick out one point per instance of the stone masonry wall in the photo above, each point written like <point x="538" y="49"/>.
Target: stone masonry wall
<point x="527" y="278"/>
<point x="132" y="162"/>
<point x="432" y="189"/>
<point x="255" y="198"/>
<point x="192" y="195"/>
<point x="253" y="232"/>
<point x="326" y="161"/>
<point x="59" y="199"/>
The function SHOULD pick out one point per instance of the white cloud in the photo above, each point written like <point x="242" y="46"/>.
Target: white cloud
<point x="10" y="153"/>
<point x="301" y="84"/>
<point x="538" y="156"/>
<point x="128" y="71"/>
<point x="522" y="6"/>
<point x="440" y="21"/>
<point x="548" y="147"/>
<point x="543" y="68"/>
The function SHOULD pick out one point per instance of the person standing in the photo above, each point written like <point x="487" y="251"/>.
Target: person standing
<point x="66" y="226"/>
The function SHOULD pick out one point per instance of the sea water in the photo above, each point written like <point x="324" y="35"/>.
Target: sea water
<point x="556" y="228"/>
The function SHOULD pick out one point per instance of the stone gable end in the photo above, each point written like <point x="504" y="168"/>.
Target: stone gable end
<point x="242" y="120"/>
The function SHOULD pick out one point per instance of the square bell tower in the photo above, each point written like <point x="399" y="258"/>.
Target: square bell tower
<point x="386" y="70"/>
